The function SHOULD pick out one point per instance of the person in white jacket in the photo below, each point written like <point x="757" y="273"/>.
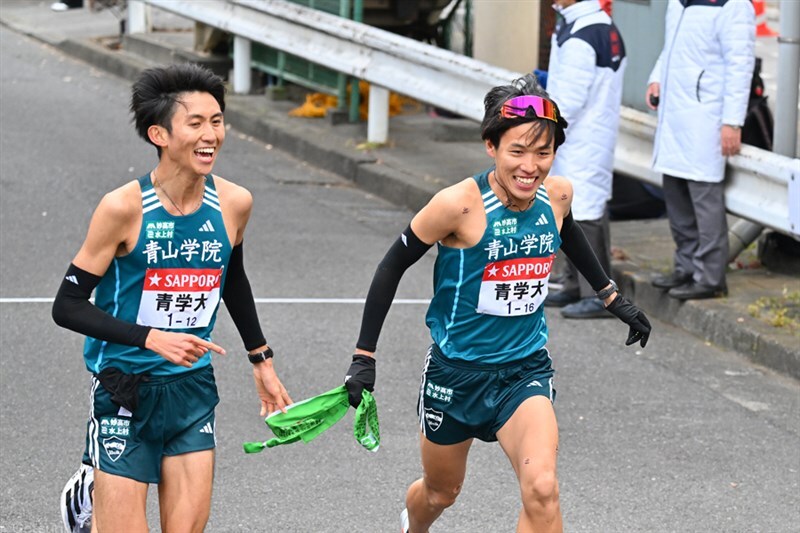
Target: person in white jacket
<point x="700" y="86"/>
<point x="587" y="65"/>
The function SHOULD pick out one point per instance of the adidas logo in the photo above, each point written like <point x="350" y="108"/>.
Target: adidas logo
<point x="207" y="226"/>
<point x="208" y="428"/>
<point x="72" y="279"/>
<point x="542" y="220"/>
<point x="534" y="383"/>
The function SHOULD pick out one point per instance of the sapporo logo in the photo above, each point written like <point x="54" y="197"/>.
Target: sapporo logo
<point x="160" y="229"/>
<point x="433" y="418"/>
<point x="114" y="446"/>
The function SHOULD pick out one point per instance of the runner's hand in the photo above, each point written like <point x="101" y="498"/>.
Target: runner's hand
<point x="360" y="376"/>
<point x="634" y="317"/>
<point x="270" y="390"/>
<point x="183" y="349"/>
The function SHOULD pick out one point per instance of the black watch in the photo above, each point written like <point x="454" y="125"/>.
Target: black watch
<point x="260" y="356"/>
<point x="605" y="293"/>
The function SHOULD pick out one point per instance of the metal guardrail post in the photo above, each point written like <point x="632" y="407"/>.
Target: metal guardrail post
<point x="786" y="103"/>
<point x="788" y="65"/>
<point x="744" y="232"/>
<point x="241" y="65"/>
<point x="378" y="121"/>
<point x="740" y="235"/>
<point x="794" y="203"/>
<point x="138" y="17"/>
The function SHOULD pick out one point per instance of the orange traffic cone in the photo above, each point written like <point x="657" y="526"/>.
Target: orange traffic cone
<point x="762" y="29"/>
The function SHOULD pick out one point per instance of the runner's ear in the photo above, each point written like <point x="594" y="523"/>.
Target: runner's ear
<point x="158" y="135"/>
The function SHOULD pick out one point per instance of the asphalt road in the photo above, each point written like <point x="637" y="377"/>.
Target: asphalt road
<point x="682" y="436"/>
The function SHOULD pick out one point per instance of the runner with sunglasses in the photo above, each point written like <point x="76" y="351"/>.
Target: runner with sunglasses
<point x="488" y="373"/>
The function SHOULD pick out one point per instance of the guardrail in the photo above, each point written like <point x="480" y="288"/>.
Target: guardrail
<point x="762" y="186"/>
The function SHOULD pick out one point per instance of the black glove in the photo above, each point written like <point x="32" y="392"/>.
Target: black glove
<point x="360" y="376"/>
<point x="634" y="317"/>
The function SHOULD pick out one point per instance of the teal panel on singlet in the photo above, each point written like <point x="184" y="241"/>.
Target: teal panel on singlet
<point x="172" y="280"/>
<point x="488" y="300"/>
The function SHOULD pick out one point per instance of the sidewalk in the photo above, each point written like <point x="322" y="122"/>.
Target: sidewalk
<point x="421" y="159"/>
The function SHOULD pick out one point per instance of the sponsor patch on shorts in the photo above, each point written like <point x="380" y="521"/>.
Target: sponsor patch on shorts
<point x="114" y="426"/>
<point x="114" y="447"/>
<point x="433" y="418"/>
<point x="443" y="394"/>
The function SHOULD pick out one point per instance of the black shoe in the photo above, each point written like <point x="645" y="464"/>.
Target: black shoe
<point x="586" y="308"/>
<point x="673" y="279"/>
<point x="561" y="298"/>
<point x="697" y="291"/>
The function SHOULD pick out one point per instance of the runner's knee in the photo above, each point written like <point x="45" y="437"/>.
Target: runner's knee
<point x="539" y="489"/>
<point x="442" y="497"/>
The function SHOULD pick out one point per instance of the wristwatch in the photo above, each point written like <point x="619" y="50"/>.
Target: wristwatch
<point x="608" y="291"/>
<point x="260" y="356"/>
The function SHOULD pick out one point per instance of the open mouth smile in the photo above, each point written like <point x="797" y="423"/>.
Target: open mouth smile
<point x="525" y="181"/>
<point x="205" y="154"/>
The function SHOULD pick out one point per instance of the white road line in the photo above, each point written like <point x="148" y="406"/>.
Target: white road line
<point x="258" y="301"/>
<point x="25" y="300"/>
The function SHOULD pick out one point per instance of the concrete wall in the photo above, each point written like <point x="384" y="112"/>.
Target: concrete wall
<point x="641" y="23"/>
<point x="506" y="33"/>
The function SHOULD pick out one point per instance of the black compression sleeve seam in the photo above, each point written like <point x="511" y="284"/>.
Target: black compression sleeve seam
<point x="238" y="297"/>
<point x="579" y="251"/>
<point x="404" y="252"/>
<point x="73" y="310"/>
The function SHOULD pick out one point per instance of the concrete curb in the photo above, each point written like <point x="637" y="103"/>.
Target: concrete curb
<point x="95" y="53"/>
<point x="361" y="167"/>
<point x="711" y="320"/>
<point x="708" y="319"/>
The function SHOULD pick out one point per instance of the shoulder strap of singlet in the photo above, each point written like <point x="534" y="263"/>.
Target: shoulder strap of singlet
<point x="490" y="199"/>
<point x="210" y="197"/>
<point x="150" y="199"/>
<point x="482" y="180"/>
<point x="541" y="194"/>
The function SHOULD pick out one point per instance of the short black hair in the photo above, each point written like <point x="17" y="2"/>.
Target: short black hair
<point x="157" y="91"/>
<point x="494" y="125"/>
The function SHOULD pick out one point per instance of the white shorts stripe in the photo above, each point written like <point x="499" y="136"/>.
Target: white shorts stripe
<point x="421" y="407"/>
<point x="94" y="427"/>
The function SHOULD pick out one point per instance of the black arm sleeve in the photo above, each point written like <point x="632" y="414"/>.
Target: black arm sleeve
<point x="406" y="251"/>
<point x="577" y="248"/>
<point x="238" y="298"/>
<point x="73" y="310"/>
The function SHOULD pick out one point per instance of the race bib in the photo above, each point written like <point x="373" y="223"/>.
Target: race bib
<point x="514" y="287"/>
<point x="177" y="298"/>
